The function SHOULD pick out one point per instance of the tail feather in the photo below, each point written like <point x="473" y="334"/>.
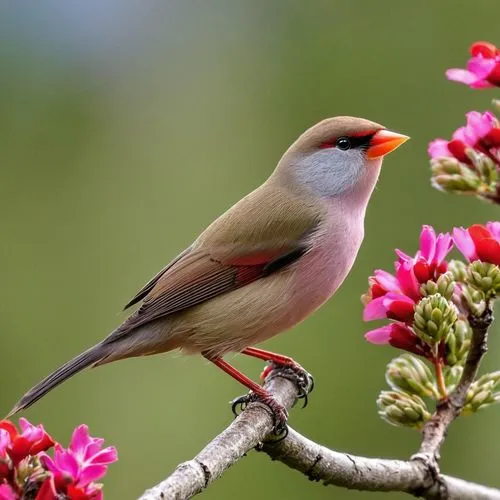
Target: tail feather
<point x="82" y="361"/>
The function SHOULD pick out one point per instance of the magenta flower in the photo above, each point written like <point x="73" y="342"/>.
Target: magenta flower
<point x="395" y="296"/>
<point x="400" y="336"/>
<point x="7" y="493"/>
<point x="482" y="132"/>
<point x="479" y="242"/>
<point x="31" y="441"/>
<point x="483" y="68"/>
<point x="81" y="464"/>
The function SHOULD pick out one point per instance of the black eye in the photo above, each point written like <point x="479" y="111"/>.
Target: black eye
<point x="343" y="143"/>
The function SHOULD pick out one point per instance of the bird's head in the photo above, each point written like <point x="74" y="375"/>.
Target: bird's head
<point x="336" y="155"/>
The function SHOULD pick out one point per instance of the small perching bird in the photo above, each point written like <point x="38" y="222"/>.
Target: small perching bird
<point x="260" y="268"/>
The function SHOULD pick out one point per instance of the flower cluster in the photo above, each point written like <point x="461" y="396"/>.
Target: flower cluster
<point x="396" y="297"/>
<point x="27" y="471"/>
<point x="483" y="68"/>
<point x="429" y="302"/>
<point x="469" y="163"/>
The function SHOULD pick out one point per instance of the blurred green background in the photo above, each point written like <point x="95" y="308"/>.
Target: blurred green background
<point x="127" y="126"/>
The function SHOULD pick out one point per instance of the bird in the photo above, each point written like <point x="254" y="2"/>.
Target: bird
<point x="262" y="267"/>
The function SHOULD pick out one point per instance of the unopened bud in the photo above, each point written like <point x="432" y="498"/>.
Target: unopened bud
<point x="446" y="165"/>
<point x="444" y="285"/>
<point x="458" y="343"/>
<point x="401" y="409"/>
<point x="457" y="183"/>
<point x="452" y="375"/>
<point x="434" y="318"/>
<point x="411" y="375"/>
<point x="485" y="167"/>
<point x="474" y="299"/>
<point x="458" y="270"/>
<point x="481" y="393"/>
<point x="485" y="277"/>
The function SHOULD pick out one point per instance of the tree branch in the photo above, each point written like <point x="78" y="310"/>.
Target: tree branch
<point x="418" y="476"/>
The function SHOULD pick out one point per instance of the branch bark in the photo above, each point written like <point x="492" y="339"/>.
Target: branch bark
<point x="418" y="476"/>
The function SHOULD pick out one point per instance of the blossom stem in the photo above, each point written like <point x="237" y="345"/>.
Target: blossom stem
<point x="438" y="366"/>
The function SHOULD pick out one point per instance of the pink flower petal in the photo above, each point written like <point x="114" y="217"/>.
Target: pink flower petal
<point x="494" y="229"/>
<point x="67" y="463"/>
<point x="403" y="257"/>
<point x="48" y="463"/>
<point x="444" y="244"/>
<point x="464" y="243"/>
<point x="7" y="493"/>
<point x="462" y="76"/>
<point x="379" y="335"/>
<point x="408" y="281"/>
<point x="80" y="440"/>
<point x="480" y="123"/>
<point x="386" y="280"/>
<point x="375" y="309"/>
<point x="438" y="148"/>
<point x="427" y="243"/>
<point x="104" y="457"/>
<point x="481" y="67"/>
<point x="4" y="441"/>
<point x="91" y="473"/>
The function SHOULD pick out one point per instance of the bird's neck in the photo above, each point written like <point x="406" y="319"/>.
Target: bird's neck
<point x="356" y="200"/>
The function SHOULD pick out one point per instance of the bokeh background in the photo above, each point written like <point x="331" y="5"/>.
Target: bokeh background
<point x="127" y="126"/>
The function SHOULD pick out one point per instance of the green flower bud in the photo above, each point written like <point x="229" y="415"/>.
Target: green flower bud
<point x="485" y="277"/>
<point x="444" y="286"/>
<point x="456" y="183"/>
<point x="481" y="393"/>
<point x="446" y="166"/>
<point x="434" y="318"/>
<point x="475" y="300"/>
<point x="411" y="375"/>
<point x="452" y="375"/>
<point x="458" y="343"/>
<point x="485" y="167"/>
<point x="401" y="409"/>
<point x="458" y="270"/>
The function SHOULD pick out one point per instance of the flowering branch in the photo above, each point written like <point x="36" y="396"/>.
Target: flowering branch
<point x="434" y="431"/>
<point x="317" y="462"/>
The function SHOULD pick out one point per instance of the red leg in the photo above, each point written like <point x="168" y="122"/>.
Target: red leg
<point x="240" y="377"/>
<point x="279" y="359"/>
<point x="258" y="394"/>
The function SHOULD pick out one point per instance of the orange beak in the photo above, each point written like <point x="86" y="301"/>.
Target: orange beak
<point x="383" y="142"/>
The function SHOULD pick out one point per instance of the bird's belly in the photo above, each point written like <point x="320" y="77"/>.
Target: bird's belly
<point x="270" y="305"/>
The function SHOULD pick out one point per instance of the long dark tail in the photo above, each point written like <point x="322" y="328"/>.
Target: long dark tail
<point x="82" y="361"/>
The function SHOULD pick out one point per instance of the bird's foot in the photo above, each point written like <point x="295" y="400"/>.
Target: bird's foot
<point x="278" y="411"/>
<point x="293" y="372"/>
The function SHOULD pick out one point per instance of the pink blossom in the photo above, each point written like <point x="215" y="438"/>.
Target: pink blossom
<point x="483" y="68"/>
<point x="7" y="493"/>
<point x="82" y="463"/>
<point x="482" y="133"/>
<point x="394" y="297"/>
<point x="31" y="441"/>
<point x="479" y="242"/>
<point x="400" y="336"/>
